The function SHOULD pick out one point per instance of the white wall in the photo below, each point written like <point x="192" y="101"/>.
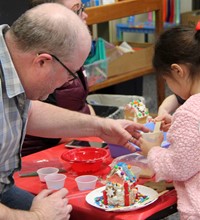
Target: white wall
<point x="186" y="5"/>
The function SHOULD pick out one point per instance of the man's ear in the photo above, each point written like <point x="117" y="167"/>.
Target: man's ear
<point x="177" y="70"/>
<point x="42" y="58"/>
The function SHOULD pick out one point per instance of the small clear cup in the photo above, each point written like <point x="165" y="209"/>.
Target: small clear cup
<point x="136" y="170"/>
<point x="42" y="172"/>
<point x="151" y="136"/>
<point x="55" y="181"/>
<point x="86" y="182"/>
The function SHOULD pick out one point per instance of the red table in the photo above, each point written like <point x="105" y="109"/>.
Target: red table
<point x="82" y="210"/>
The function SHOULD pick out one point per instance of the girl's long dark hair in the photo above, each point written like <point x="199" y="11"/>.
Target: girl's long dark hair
<point x="180" y="45"/>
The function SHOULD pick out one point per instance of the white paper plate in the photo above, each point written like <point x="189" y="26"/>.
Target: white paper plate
<point x="152" y="197"/>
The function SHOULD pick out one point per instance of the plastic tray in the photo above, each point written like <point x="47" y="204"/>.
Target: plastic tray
<point x="112" y="101"/>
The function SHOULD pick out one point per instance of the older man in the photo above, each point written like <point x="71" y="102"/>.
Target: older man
<point x="41" y="51"/>
<point x="71" y="95"/>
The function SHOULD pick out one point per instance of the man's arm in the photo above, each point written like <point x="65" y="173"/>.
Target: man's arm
<point x="46" y="120"/>
<point x="13" y="214"/>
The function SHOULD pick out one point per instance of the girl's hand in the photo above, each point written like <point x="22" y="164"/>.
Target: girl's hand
<point x="166" y="121"/>
<point x="146" y="146"/>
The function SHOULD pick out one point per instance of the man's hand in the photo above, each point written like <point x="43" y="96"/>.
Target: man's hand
<point x="121" y="132"/>
<point x="50" y="206"/>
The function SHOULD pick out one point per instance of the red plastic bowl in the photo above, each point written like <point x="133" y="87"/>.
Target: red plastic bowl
<point x="86" y="160"/>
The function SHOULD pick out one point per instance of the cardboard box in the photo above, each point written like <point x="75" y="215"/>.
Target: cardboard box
<point x="141" y="58"/>
<point x="116" y="64"/>
<point x="190" y="18"/>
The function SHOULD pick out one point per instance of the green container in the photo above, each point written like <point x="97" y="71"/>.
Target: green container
<point x="100" y="52"/>
<point x="96" y="65"/>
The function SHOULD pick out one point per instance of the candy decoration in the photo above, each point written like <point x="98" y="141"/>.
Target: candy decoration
<point x="105" y="198"/>
<point x="120" y="186"/>
<point x="126" y="194"/>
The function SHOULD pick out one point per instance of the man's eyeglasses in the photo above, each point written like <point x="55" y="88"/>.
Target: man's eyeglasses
<point x="80" y="10"/>
<point x="70" y="72"/>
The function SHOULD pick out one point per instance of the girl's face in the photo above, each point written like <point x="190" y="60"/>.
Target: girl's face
<point x="173" y="85"/>
<point x="179" y="82"/>
<point x="77" y="7"/>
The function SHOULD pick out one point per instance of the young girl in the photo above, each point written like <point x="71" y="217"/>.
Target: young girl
<point x="177" y="59"/>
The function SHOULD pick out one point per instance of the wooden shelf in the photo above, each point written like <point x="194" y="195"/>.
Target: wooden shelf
<point x="122" y="9"/>
<point x="121" y="78"/>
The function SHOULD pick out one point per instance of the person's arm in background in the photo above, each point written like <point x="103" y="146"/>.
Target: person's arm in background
<point x="92" y="112"/>
<point x="169" y="105"/>
<point x="166" y="109"/>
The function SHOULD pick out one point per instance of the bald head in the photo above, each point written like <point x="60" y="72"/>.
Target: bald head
<point x="50" y="28"/>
